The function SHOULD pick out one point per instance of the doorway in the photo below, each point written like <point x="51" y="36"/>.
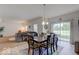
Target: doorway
<point x="62" y="30"/>
<point x="35" y="28"/>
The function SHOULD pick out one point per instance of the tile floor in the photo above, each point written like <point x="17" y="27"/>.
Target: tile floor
<point x="68" y="49"/>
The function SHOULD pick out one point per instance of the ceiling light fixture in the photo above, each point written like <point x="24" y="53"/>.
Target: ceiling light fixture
<point x="44" y="22"/>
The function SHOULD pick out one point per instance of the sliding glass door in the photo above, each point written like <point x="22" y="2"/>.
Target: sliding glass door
<point x="62" y="30"/>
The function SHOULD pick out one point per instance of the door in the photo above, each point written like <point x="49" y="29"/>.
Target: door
<point x="62" y="30"/>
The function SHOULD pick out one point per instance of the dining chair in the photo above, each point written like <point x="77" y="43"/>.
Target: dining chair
<point x="51" y="41"/>
<point x="33" y="44"/>
<point x="45" y="44"/>
<point x="54" y="41"/>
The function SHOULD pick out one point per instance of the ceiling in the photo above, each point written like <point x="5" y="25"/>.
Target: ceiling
<point x="30" y="11"/>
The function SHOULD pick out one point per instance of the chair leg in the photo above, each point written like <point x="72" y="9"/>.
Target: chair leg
<point x="53" y="48"/>
<point x="28" y="51"/>
<point x="47" y="51"/>
<point x="56" y="46"/>
<point x="33" y="52"/>
<point x="39" y="51"/>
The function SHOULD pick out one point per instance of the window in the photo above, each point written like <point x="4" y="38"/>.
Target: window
<point x="62" y="30"/>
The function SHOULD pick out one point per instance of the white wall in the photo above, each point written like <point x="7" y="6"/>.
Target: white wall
<point x="36" y="21"/>
<point x="11" y="27"/>
<point x="71" y="17"/>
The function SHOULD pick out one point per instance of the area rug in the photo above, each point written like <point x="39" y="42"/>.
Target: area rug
<point x="23" y="50"/>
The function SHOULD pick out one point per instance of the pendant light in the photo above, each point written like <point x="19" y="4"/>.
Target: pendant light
<point x="44" y="22"/>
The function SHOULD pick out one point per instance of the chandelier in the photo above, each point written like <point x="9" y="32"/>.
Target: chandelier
<point x="44" y="22"/>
